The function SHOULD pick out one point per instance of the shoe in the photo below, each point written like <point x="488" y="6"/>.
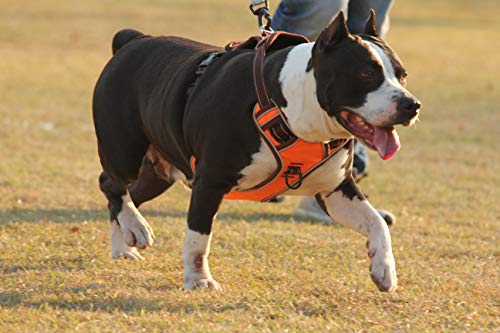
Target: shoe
<point x="308" y="208"/>
<point x="389" y="218"/>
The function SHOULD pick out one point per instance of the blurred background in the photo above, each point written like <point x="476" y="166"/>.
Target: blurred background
<point x="53" y="51"/>
<point x="442" y="185"/>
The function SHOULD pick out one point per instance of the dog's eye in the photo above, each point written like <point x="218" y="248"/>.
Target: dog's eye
<point x="401" y="74"/>
<point x="368" y="75"/>
<point x="402" y="78"/>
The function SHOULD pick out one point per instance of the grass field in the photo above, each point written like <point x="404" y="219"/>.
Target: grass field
<point x="279" y="274"/>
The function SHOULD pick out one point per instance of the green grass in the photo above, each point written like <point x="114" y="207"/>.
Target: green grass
<point x="279" y="274"/>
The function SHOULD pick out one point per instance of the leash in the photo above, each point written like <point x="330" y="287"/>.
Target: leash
<point x="260" y="8"/>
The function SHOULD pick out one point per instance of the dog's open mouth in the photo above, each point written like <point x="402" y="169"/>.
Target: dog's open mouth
<point x="384" y="140"/>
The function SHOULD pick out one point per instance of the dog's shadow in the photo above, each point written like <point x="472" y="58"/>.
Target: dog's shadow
<point x="131" y="304"/>
<point x="111" y="304"/>
<point x="90" y="215"/>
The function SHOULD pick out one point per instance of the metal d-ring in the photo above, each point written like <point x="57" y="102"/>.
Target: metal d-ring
<point x="293" y="170"/>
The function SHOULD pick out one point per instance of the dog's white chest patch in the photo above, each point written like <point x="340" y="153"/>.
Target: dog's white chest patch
<point x="305" y="116"/>
<point x="325" y="178"/>
<point x="307" y="121"/>
<point x="262" y="166"/>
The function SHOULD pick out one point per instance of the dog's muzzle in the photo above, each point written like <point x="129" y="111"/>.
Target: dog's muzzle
<point x="407" y="108"/>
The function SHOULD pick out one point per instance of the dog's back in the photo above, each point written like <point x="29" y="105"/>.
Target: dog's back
<point x="145" y="74"/>
<point x="124" y="36"/>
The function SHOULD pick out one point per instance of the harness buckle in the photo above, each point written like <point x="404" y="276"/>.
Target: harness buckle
<point x="293" y="170"/>
<point x="281" y="133"/>
<point x="201" y="69"/>
<point x="207" y="61"/>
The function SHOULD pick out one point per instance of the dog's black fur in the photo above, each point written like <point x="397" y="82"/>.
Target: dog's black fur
<point x="148" y="129"/>
<point x="140" y="100"/>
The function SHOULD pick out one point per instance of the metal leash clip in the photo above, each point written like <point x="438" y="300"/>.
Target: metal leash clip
<point x="260" y="9"/>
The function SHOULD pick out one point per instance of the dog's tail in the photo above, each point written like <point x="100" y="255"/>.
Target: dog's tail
<point x="123" y="37"/>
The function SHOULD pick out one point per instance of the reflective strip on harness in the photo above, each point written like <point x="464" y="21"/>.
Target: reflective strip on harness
<point x="296" y="158"/>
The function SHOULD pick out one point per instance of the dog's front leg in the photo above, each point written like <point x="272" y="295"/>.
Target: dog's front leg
<point x="347" y="205"/>
<point x="205" y="201"/>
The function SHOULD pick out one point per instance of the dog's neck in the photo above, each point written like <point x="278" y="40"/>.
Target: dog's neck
<point x="306" y="117"/>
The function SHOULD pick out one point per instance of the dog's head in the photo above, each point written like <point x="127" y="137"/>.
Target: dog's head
<point x="360" y="81"/>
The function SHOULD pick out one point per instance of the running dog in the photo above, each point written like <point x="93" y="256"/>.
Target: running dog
<point x="149" y="131"/>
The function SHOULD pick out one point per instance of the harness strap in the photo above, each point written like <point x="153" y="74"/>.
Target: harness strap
<point x="258" y="64"/>
<point x="200" y="70"/>
<point x="258" y="72"/>
<point x="295" y="158"/>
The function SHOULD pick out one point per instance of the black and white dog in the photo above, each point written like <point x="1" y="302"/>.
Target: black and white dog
<point x="341" y="86"/>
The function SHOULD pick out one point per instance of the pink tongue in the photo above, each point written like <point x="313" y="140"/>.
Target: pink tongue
<point x="386" y="141"/>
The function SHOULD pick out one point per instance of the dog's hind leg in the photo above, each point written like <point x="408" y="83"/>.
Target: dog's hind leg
<point x="129" y="229"/>
<point x="347" y="205"/>
<point x="120" y="249"/>
<point x="122" y="146"/>
<point x="155" y="177"/>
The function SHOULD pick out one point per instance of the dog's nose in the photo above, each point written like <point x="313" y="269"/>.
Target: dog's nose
<point x="408" y="105"/>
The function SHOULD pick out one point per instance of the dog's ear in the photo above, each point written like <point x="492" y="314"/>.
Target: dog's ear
<point x="334" y="32"/>
<point x="371" y="25"/>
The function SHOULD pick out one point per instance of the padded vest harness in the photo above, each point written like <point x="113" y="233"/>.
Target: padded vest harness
<point x="295" y="158"/>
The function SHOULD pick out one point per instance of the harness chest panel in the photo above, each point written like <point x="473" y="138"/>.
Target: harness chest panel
<point x="296" y="158"/>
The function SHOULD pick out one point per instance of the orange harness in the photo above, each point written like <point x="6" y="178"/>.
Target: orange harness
<point x="296" y="158"/>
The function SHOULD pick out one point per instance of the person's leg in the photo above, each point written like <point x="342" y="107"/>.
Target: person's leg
<point x="306" y="17"/>
<point x="359" y="11"/>
<point x="360" y="162"/>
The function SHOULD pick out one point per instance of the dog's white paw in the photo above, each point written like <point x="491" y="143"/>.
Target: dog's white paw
<point x="383" y="269"/>
<point x="206" y="283"/>
<point x="136" y="230"/>
<point x="138" y="234"/>
<point x="119" y="249"/>
<point x="131" y="253"/>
